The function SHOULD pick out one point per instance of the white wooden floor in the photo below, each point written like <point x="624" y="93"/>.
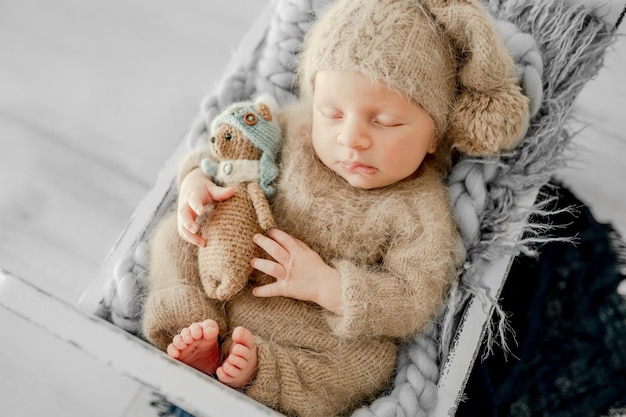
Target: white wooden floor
<point x="94" y="96"/>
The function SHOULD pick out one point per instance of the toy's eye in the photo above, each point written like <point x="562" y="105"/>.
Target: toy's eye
<point x="228" y="136"/>
<point x="212" y="139"/>
<point x="250" y="119"/>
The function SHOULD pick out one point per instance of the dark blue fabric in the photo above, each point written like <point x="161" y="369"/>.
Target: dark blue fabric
<point x="164" y="408"/>
<point x="570" y="326"/>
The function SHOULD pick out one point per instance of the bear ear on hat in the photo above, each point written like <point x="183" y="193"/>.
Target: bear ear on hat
<point x="491" y="112"/>
<point x="266" y="105"/>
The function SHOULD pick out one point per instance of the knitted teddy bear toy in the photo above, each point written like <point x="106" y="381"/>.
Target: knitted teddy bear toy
<point x="244" y="144"/>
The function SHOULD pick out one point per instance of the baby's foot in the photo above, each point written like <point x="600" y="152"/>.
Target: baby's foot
<point x="197" y="346"/>
<point x="240" y="366"/>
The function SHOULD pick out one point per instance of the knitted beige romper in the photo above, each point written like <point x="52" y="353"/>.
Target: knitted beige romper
<point x="394" y="248"/>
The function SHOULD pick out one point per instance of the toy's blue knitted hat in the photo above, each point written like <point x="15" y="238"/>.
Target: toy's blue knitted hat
<point x="256" y="121"/>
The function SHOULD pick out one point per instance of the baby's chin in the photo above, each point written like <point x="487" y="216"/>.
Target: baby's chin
<point x="363" y="182"/>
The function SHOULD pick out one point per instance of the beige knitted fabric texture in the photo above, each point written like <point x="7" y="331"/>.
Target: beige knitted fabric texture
<point x="445" y="55"/>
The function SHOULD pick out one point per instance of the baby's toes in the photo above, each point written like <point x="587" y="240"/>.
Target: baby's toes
<point x="238" y="361"/>
<point x="196" y="331"/>
<point x="173" y="351"/>
<point x="243" y="336"/>
<point x="228" y="371"/>
<point x="210" y="329"/>
<point x="241" y="353"/>
<point x="179" y="343"/>
<point x="186" y="335"/>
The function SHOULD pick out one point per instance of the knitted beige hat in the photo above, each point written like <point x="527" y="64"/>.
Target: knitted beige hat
<point x="444" y="54"/>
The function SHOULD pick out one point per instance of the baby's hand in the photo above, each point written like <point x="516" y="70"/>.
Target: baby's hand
<point x="299" y="271"/>
<point x="197" y="191"/>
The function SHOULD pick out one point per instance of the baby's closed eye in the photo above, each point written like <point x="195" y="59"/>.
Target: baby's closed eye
<point x="330" y="112"/>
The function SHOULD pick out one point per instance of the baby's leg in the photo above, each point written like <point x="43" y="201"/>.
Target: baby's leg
<point x="322" y="382"/>
<point x="197" y="346"/>
<point x="302" y="367"/>
<point x="240" y="365"/>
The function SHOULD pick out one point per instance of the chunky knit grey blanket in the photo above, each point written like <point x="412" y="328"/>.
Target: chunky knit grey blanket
<point x="558" y="47"/>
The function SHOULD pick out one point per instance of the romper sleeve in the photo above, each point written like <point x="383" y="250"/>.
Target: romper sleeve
<point x="398" y="297"/>
<point x="188" y="164"/>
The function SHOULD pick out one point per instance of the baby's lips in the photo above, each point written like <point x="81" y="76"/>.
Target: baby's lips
<point x="355" y="166"/>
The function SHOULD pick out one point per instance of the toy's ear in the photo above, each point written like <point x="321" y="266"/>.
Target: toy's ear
<point x="491" y="112"/>
<point x="266" y="106"/>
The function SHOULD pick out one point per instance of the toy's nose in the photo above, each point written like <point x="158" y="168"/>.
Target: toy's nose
<point x="212" y="139"/>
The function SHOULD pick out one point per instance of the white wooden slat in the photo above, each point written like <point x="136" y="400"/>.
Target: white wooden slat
<point x="473" y="325"/>
<point x="193" y="391"/>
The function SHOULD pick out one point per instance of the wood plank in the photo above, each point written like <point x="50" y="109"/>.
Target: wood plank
<point x="43" y="375"/>
<point x="138" y="361"/>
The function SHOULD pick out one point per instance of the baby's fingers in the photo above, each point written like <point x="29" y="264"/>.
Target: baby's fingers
<point x="269" y="290"/>
<point x="272" y="248"/>
<point x="218" y="193"/>
<point x="188" y="230"/>
<point x="269" y="267"/>
<point x="192" y="238"/>
<point x="195" y="202"/>
<point x="186" y="217"/>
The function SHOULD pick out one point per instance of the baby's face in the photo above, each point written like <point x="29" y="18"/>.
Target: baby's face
<point x="368" y="134"/>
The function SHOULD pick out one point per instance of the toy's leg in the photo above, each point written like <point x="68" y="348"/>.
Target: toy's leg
<point x="175" y="296"/>
<point x="224" y="263"/>
<point x="224" y="274"/>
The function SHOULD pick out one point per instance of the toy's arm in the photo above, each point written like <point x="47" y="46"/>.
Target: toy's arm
<point x="209" y="167"/>
<point x="261" y="206"/>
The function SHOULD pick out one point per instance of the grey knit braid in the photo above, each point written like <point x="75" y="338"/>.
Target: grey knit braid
<point x="483" y="191"/>
<point x="572" y="43"/>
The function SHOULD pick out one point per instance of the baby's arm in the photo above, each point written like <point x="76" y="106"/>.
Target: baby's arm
<point x="401" y="294"/>
<point x="396" y="300"/>
<point x="398" y="297"/>
<point x="196" y="191"/>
